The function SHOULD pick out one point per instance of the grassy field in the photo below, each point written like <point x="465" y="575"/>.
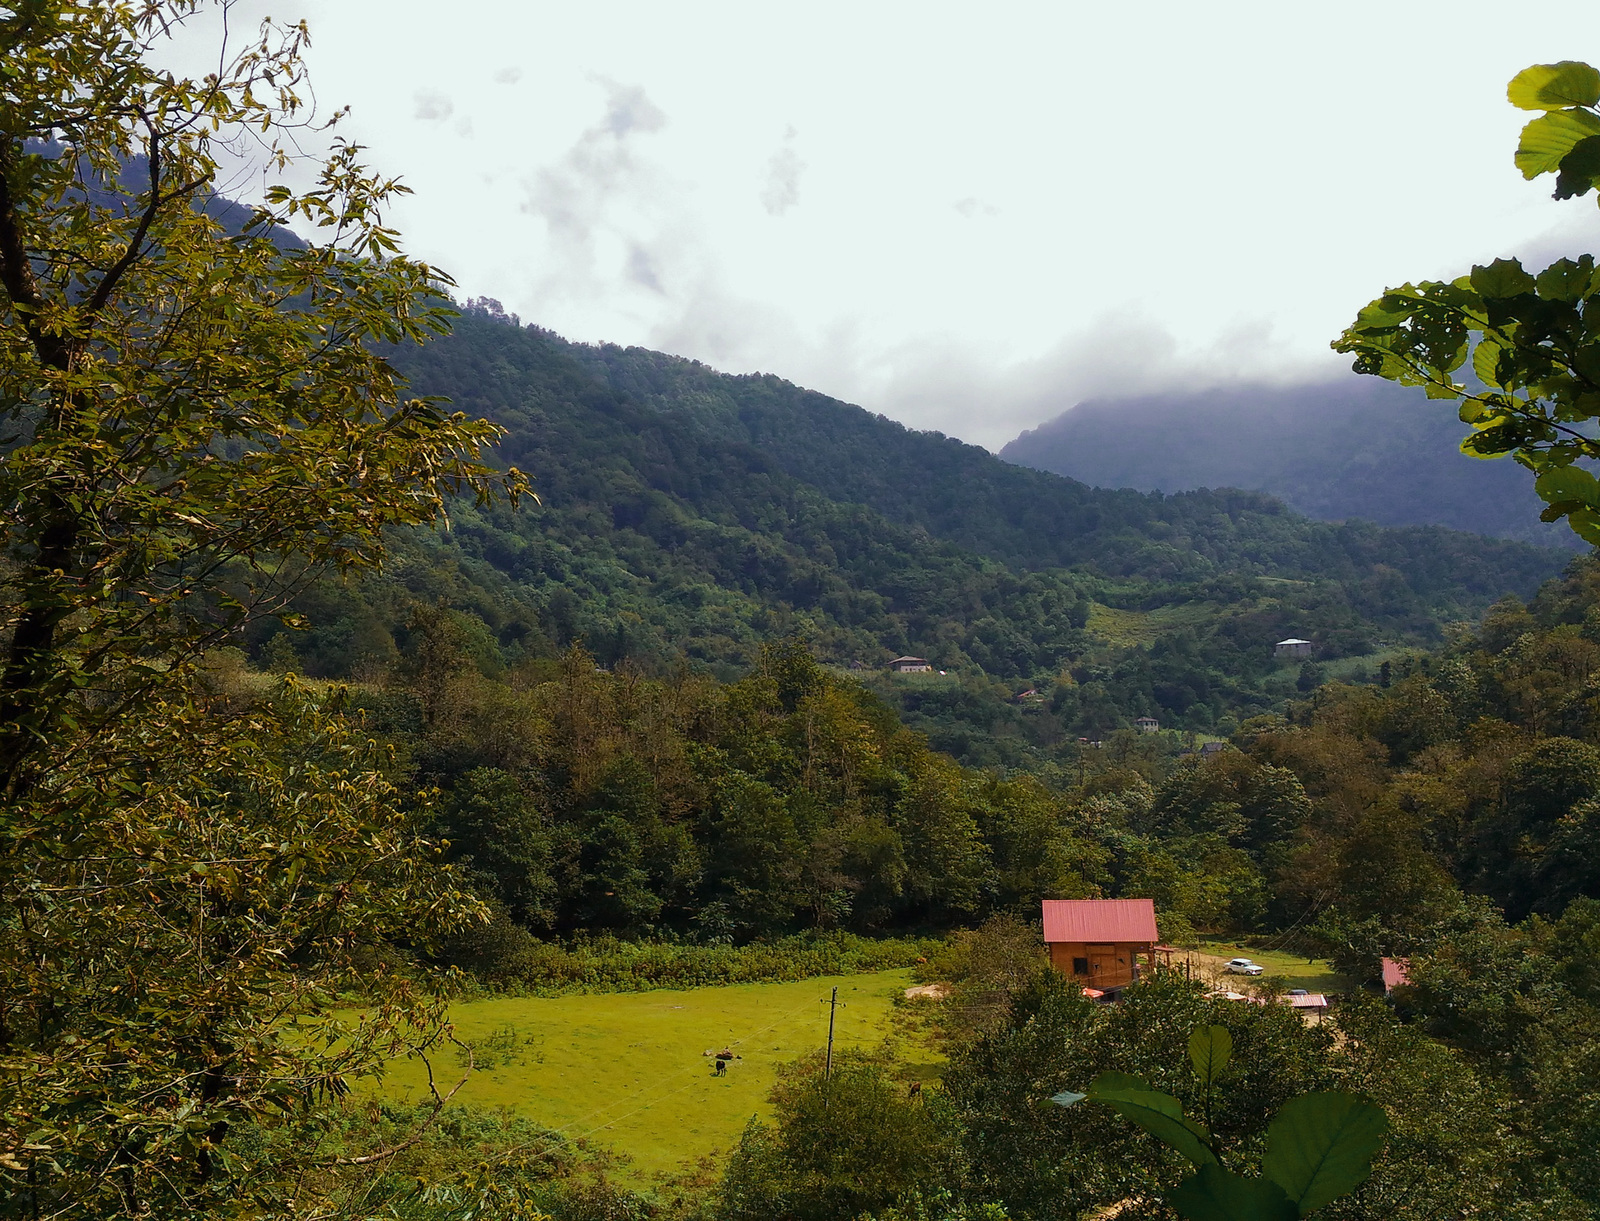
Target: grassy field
<point x="1293" y="969"/>
<point x="1130" y="627"/>
<point x="627" y="1069"/>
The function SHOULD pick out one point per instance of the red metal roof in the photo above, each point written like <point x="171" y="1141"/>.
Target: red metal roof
<point x="1312" y="1000"/>
<point x="1101" y="920"/>
<point x="1396" y="971"/>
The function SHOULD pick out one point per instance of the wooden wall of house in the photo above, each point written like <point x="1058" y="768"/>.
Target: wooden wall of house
<point x="1117" y="961"/>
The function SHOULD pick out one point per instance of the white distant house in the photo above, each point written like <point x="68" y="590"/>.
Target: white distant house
<point x="1147" y="724"/>
<point x="910" y="665"/>
<point x="1292" y="647"/>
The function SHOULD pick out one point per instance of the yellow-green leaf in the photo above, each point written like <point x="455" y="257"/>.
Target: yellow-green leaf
<point x="1550" y="137"/>
<point x="1554" y="86"/>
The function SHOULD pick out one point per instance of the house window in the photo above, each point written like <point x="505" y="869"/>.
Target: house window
<point x="1080" y="966"/>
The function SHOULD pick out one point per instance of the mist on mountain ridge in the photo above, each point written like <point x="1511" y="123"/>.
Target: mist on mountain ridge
<point x="1352" y="448"/>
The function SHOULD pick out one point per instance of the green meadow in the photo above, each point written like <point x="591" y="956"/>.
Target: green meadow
<point x="628" y="1070"/>
<point x="1295" y="970"/>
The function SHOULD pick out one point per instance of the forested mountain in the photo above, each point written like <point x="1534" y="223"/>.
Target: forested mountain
<point x="1352" y="448"/>
<point x="687" y="513"/>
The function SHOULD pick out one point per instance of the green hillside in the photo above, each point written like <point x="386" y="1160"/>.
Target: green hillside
<point x="691" y="514"/>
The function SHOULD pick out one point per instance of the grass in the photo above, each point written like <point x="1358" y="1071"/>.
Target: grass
<point x="627" y="1070"/>
<point x="1366" y="664"/>
<point x="1293" y="969"/>
<point x="1129" y="627"/>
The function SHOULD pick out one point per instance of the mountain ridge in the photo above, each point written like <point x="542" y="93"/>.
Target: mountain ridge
<point x="690" y="517"/>
<point x="1351" y="448"/>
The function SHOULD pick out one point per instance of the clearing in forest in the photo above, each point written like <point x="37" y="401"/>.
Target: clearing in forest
<point x="627" y="1070"/>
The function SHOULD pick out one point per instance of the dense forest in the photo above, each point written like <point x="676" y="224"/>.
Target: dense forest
<point x="688" y="514"/>
<point x="313" y="723"/>
<point x="1445" y="816"/>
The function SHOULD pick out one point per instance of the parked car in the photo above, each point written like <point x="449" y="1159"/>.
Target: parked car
<point x="1243" y="966"/>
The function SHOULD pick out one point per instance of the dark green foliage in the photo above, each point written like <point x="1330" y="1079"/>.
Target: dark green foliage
<point x="841" y="1145"/>
<point x="1045" y="1162"/>
<point x="691" y="515"/>
<point x="585" y="799"/>
<point x="507" y="956"/>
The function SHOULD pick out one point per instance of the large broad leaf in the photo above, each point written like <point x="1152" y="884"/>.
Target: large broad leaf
<point x="1215" y="1194"/>
<point x="1321" y="1146"/>
<point x="1502" y="278"/>
<point x="1585" y="524"/>
<point x="1550" y="137"/>
<point x="1554" y="86"/>
<point x="1486" y="364"/>
<point x="1566" y="280"/>
<point x="1580" y="169"/>
<point x="1586" y="363"/>
<point x="1210" y="1049"/>
<point x="1159" y="1114"/>
<point x="1567" y="483"/>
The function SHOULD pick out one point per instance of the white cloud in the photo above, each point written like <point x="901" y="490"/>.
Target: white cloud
<point x="432" y="106"/>
<point x="782" y="189"/>
<point x="973" y="239"/>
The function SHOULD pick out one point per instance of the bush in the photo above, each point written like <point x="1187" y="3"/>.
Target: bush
<point x="851" y="1144"/>
<point x="506" y="957"/>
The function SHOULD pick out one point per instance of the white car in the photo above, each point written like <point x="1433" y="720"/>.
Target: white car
<point x="1243" y="966"/>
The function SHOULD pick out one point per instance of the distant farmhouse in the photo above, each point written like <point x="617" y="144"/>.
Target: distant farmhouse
<point x="1147" y="724"/>
<point x="910" y="665"/>
<point x="1292" y="647"/>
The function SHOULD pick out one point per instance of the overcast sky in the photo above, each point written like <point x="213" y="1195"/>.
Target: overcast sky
<point x="968" y="217"/>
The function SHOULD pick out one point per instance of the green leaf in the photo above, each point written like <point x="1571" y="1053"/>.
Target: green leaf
<point x="1558" y="483"/>
<point x="1503" y="278"/>
<point x="1486" y="365"/>
<point x="1585" y="524"/>
<point x="1565" y="280"/>
<point x="1210" y="1049"/>
<point x="1579" y="169"/>
<point x="1215" y="1194"/>
<point x="1550" y="137"/>
<point x="1586" y="362"/>
<point x="1066" y="1098"/>
<point x="1320" y="1146"/>
<point x="1554" y="86"/>
<point x="1159" y="1114"/>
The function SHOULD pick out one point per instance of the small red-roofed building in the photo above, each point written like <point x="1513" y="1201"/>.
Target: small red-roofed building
<point x="1396" y="973"/>
<point x="1099" y="942"/>
<point x="1308" y="1004"/>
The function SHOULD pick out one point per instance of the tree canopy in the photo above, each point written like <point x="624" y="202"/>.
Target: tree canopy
<point x="195" y="414"/>
<point x="1527" y="344"/>
<point x="196" y="420"/>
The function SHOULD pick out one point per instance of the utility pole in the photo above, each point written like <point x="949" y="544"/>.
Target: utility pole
<point x="833" y="1004"/>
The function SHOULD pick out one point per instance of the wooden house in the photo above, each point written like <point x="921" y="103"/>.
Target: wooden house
<point x="1099" y="942"/>
<point x="910" y="665"/>
<point x="1292" y="647"/>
